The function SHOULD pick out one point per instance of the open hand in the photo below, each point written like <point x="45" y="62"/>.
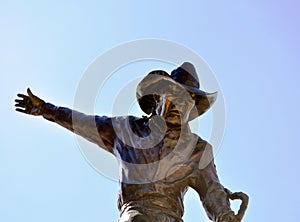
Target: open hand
<point x="30" y="104"/>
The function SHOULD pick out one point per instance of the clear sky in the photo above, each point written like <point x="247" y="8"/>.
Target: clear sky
<point x="253" y="48"/>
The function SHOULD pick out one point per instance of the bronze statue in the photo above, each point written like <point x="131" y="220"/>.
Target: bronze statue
<point x="159" y="156"/>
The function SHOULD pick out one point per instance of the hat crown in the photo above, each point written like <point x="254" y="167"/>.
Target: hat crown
<point x="186" y="74"/>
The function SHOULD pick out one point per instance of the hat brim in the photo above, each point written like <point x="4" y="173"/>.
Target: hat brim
<point x="151" y="86"/>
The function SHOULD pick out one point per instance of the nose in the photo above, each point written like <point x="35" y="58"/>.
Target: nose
<point x="168" y="106"/>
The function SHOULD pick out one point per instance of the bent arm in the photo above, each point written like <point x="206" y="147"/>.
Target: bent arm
<point x="214" y="197"/>
<point x="96" y="129"/>
<point x="212" y="194"/>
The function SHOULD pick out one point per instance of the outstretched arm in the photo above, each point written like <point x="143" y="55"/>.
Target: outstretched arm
<point x="97" y="129"/>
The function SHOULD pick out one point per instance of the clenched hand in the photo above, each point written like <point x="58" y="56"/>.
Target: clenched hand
<point x="229" y="217"/>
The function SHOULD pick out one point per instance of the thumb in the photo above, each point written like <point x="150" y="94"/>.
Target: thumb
<point x="29" y="92"/>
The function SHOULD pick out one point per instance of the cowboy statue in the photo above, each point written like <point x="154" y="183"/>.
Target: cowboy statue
<point x="158" y="155"/>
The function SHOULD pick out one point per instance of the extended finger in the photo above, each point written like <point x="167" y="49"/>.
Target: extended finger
<point x="21" y="100"/>
<point x="22" y="96"/>
<point x="24" y="101"/>
<point x="22" y="110"/>
<point x="23" y="105"/>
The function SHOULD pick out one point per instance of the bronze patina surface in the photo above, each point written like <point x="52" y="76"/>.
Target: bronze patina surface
<point x="155" y="173"/>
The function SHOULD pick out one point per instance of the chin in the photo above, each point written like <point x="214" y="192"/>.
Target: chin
<point x="175" y="121"/>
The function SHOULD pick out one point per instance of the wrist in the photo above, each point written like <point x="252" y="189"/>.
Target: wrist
<point x="48" y="111"/>
<point x="226" y="215"/>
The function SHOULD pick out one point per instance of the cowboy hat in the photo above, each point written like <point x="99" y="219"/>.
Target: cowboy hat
<point x="182" y="79"/>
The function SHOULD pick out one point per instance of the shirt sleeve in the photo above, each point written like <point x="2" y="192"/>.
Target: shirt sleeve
<point x="96" y="129"/>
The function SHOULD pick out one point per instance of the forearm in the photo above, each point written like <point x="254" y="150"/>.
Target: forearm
<point x="60" y="115"/>
<point x="93" y="128"/>
<point x="216" y="201"/>
<point x="213" y="195"/>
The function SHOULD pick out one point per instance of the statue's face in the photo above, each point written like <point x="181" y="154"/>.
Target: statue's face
<point x="175" y="109"/>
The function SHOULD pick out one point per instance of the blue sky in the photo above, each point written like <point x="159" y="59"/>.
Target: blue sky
<point x="252" y="47"/>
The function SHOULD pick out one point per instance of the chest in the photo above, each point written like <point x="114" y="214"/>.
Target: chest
<point x="171" y="160"/>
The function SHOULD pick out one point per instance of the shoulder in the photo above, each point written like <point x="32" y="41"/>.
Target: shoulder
<point x="117" y="119"/>
<point x="203" y="153"/>
<point x="201" y="144"/>
<point x="123" y="124"/>
<point x="103" y="119"/>
<point x="127" y="121"/>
